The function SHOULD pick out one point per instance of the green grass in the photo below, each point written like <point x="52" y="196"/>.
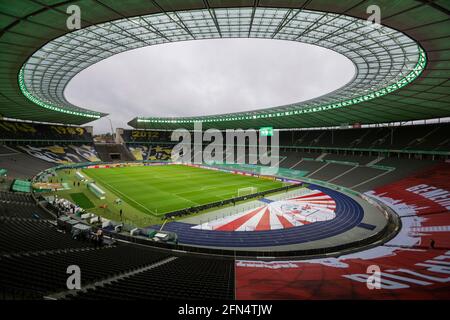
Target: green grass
<point x="82" y="200"/>
<point x="156" y="190"/>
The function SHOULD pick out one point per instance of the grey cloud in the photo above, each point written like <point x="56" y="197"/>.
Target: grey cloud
<point x="206" y="77"/>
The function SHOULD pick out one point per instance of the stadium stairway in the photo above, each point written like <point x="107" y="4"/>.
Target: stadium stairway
<point x="187" y="278"/>
<point x="361" y="173"/>
<point x="34" y="256"/>
<point x="45" y="273"/>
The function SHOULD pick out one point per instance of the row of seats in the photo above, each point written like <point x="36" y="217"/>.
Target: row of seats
<point x="360" y="159"/>
<point x="21" y="165"/>
<point x="25" y="161"/>
<point x="35" y="131"/>
<point x="18" y="235"/>
<point x="38" y="273"/>
<point x="414" y="264"/>
<point x="351" y="171"/>
<point x="16" y="197"/>
<point x="34" y="257"/>
<point x="47" y="273"/>
<point x="357" y="174"/>
<point x="146" y="136"/>
<point x="185" y="278"/>
<point x="150" y="152"/>
<point x="21" y="205"/>
<point x="60" y="154"/>
<point x="22" y="210"/>
<point x="418" y="137"/>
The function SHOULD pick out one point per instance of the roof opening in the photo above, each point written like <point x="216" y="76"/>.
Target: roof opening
<point x="207" y="77"/>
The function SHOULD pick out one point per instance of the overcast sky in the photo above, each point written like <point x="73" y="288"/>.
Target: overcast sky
<point x="206" y="77"/>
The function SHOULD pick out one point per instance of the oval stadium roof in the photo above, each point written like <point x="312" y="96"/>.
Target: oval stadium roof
<point x="402" y="66"/>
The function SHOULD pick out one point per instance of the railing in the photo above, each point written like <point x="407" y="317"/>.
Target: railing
<point x="322" y="148"/>
<point x="388" y="232"/>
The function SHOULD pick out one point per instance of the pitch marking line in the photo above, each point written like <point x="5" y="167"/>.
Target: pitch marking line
<point x="125" y="196"/>
<point x="180" y="197"/>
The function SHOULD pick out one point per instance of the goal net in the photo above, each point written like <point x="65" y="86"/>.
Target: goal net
<point x="247" y="191"/>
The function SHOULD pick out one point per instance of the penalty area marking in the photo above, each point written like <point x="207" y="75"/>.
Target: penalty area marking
<point x="180" y="197"/>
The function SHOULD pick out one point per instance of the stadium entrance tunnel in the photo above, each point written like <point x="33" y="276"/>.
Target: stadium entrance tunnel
<point x="207" y="77"/>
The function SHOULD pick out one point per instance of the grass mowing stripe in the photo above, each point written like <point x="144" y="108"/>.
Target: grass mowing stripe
<point x="124" y="196"/>
<point x="168" y="188"/>
<point x="81" y="200"/>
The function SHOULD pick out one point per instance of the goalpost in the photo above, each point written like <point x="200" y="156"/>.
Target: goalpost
<point x="247" y="191"/>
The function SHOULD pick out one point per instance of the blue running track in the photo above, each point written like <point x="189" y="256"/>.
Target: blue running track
<point x="348" y="215"/>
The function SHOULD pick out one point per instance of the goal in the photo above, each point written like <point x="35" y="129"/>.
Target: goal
<point x="247" y="191"/>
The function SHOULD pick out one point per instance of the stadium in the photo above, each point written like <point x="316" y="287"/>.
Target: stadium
<point x="343" y="196"/>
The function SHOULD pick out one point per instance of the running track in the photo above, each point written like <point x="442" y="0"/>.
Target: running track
<point x="348" y="215"/>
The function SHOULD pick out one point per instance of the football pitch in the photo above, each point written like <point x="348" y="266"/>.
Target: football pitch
<point x="157" y="190"/>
